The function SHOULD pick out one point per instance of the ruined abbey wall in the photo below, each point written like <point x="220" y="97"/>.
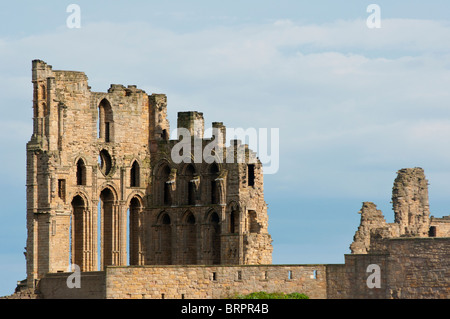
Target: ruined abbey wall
<point x="101" y="176"/>
<point x="411" y="214"/>
<point x="410" y="268"/>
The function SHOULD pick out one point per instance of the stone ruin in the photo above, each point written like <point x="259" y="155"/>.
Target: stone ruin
<point x="411" y="214"/>
<point x="104" y="193"/>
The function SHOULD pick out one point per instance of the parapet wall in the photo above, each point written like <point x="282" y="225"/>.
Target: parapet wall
<point x="213" y="282"/>
<point x="419" y="268"/>
<point x="54" y="286"/>
<point x="409" y="268"/>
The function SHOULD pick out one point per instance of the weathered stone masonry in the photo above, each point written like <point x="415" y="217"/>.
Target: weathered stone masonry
<point x="112" y="150"/>
<point x="196" y="229"/>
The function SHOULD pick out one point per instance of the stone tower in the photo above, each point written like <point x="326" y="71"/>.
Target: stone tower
<point x="411" y="213"/>
<point x="103" y="187"/>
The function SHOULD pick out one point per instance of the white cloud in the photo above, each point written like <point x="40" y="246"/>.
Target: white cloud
<point x="344" y="96"/>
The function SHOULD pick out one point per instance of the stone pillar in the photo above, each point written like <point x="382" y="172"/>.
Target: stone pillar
<point x="410" y="202"/>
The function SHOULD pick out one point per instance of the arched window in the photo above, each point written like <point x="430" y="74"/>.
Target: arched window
<point x="215" y="238"/>
<point x="214" y="173"/>
<point x="109" y="233"/>
<point x="135" y="175"/>
<point x="234" y="221"/>
<point x="77" y="231"/>
<point x="189" y="240"/>
<point x="81" y="239"/>
<point x="81" y="172"/>
<point x="164" y="186"/>
<point x="189" y="176"/>
<point x="166" y="220"/>
<point x="105" y="121"/>
<point x="165" y="241"/>
<point x="134" y="231"/>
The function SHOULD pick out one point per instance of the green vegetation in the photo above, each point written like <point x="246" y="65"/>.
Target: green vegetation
<point x="273" y="295"/>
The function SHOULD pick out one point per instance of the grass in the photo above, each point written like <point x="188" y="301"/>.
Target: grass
<point x="273" y="295"/>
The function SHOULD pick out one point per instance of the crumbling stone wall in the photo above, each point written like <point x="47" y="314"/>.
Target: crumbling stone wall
<point x="411" y="213"/>
<point x="371" y="218"/>
<point x="410" y="202"/>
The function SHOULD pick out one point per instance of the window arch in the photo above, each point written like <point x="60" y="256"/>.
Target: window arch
<point x="134" y="231"/>
<point x="165" y="220"/>
<point x="163" y="187"/>
<point x="234" y="221"/>
<point x="81" y="172"/>
<point x="189" y="239"/>
<point x="214" y="173"/>
<point x="190" y="184"/>
<point x="135" y="175"/>
<point x="105" y="121"/>
<point x="109" y="236"/>
<point x="77" y="231"/>
<point x="165" y="240"/>
<point x="81" y="234"/>
<point x="214" y="238"/>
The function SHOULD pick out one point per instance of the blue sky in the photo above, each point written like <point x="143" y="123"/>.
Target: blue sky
<point x="353" y="104"/>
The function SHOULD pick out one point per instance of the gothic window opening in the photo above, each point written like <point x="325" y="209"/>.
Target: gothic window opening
<point x="190" y="240"/>
<point x="81" y="172"/>
<point x="166" y="220"/>
<point x="234" y="222"/>
<point x="251" y="174"/>
<point x="165" y="186"/>
<point x="134" y="242"/>
<point x="105" y="121"/>
<point x="189" y="176"/>
<point x="78" y="235"/>
<point x="215" y="238"/>
<point x="109" y="232"/>
<point x="165" y="241"/>
<point x="214" y="173"/>
<point x="135" y="175"/>
<point x="167" y="197"/>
